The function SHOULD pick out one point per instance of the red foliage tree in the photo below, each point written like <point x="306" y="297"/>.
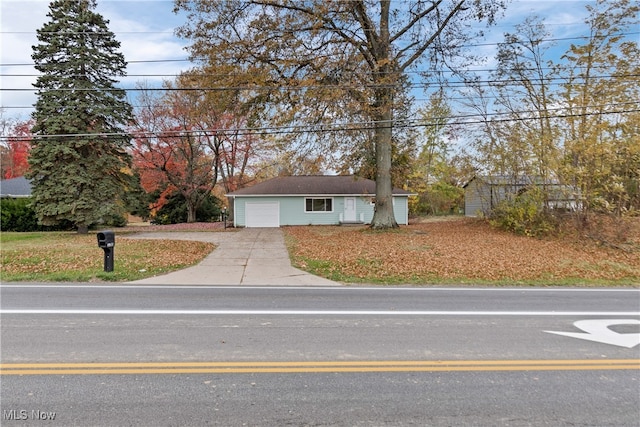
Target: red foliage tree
<point x="170" y="151"/>
<point x="184" y="143"/>
<point x="15" y="150"/>
<point x="239" y="151"/>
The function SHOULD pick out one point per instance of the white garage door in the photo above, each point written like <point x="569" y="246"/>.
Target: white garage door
<point x="265" y="214"/>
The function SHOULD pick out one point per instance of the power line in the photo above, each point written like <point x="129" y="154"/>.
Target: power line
<point x="462" y="46"/>
<point x="535" y="81"/>
<point x="455" y="120"/>
<point x="102" y="33"/>
<point x="409" y="72"/>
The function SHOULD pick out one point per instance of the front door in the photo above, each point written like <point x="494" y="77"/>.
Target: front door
<point x="349" y="209"/>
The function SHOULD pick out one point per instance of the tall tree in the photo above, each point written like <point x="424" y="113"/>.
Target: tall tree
<point x="332" y="61"/>
<point x="575" y="120"/>
<point x="524" y="82"/>
<point x="171" y="150"/>
<point x="228" y="119"/>
<point x="239" y="153"/>
<point x="602" y="153"/>
<point x="520" y="142"/>
<point x="434" y="173"/>
<point x="78" y="161"/>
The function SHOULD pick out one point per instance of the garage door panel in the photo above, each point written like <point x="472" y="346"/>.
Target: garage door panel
<point x="264" y="214"/>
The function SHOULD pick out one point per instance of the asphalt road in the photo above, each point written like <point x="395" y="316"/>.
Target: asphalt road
<point x="151" y="355"/>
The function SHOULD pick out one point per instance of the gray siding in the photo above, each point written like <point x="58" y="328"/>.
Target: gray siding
<point x="477" y="199"/>
<point x="481" y="196"/>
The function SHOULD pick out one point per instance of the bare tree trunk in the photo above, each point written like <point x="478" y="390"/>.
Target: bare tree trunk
<point x="191" y="213"/>
<point x="384" y="75"/>
<point x="383" y="217"/>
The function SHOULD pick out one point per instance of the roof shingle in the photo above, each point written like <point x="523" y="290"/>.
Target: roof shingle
<point x="15" y="187"/>
<point x="310" y="185"/>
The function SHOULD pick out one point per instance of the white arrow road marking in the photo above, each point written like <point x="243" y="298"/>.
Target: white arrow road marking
<point x="598" y="331"/>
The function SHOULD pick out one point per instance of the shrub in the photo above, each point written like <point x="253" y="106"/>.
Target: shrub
<point x="524" y="214"/>
<point x="439" y="198"/>
<point x="620" y="232"/>
<point x="17" y="215"/>
<point x="114" y="220"/>
<point x="175" y="210"/>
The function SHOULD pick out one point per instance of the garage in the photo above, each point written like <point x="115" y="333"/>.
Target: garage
<point x="263" y="214"/>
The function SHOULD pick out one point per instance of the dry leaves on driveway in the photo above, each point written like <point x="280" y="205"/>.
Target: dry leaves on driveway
<point x="462" y="250"/>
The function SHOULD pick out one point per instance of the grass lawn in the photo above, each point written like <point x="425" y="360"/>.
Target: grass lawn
<point x="450" y="251"/>
<point x="460" y="251"/>
<point x="58" y="256"/>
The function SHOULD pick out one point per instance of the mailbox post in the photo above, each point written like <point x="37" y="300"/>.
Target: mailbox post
<point x="224" y="217"/>
<point x="107" y="241"/>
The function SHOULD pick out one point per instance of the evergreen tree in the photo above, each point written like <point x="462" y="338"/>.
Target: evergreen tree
<point x="78" y="158"/>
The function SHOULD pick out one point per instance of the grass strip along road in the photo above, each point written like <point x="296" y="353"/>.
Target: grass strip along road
<point x="133" y="368"/>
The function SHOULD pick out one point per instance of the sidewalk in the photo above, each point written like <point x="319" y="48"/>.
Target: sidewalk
<point x="249" y="256"/>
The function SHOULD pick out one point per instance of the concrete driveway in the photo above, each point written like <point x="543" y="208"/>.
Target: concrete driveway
<point x="249" y="256"/>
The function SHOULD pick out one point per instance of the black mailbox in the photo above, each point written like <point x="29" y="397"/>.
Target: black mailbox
<point x="107" y="241"/>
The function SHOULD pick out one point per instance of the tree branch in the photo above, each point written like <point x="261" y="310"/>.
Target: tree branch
<point x="441" y="26"/>
<point x="415" y="20"/>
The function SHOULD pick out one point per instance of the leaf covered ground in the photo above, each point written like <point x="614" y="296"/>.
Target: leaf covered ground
<point x="460" y="250"/>
<point x="72" y="257"/>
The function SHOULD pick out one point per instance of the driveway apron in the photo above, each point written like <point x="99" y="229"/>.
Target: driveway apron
<point x="249" y="256"/>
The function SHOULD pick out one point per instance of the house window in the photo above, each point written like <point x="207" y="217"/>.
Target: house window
<point x="318" y="205"/>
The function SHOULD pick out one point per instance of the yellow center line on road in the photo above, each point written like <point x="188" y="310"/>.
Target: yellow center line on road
<point x="129" y="368"/>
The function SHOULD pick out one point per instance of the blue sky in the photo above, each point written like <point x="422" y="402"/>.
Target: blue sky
<point x="145" y="29"/>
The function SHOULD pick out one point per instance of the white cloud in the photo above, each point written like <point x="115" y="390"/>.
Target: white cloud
<point x="18" y="20"/>
<point x="145" y="29"/>
<point x="562" y="18"/>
